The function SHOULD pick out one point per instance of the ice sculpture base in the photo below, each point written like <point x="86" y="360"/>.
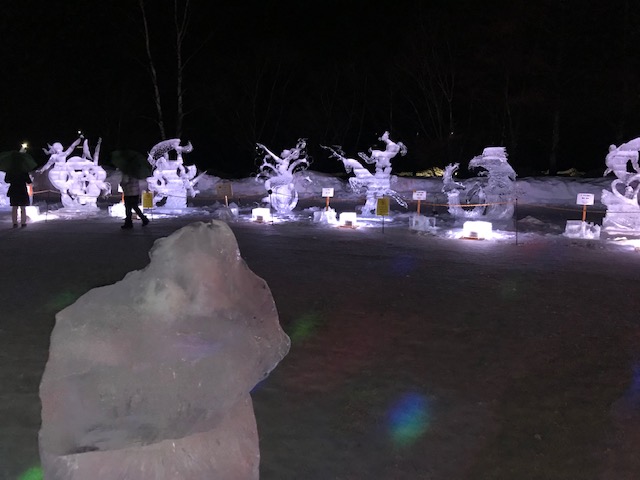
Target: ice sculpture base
<point x="622" y="222"/>
<point x="234" y="442"/>
<point x="325" y="216"/>
<point x="580" y="229"/>
<point x="422" y="223"/>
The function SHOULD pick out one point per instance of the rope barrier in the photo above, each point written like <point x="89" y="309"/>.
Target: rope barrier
<point x="423" y="202"/>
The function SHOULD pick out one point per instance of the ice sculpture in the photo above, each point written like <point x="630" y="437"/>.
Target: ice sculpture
<point x="623" y="209"/>
<point x="80" y="180"/>
<point x="172" y="181"/>
<point x="279" y="174"/>
<point x="377" y="184"/>
<point x="492" y="199"/>
<point x="4" y="188"/>
<point x="150" y="378"/>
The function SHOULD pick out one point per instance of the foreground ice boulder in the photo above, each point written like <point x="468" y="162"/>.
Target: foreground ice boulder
<point x="149" y="378"/>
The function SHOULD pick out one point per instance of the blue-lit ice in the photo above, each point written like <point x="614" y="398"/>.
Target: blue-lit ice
<point x="149" y="378"/>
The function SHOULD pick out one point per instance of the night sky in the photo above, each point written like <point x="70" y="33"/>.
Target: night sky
<point x="551" y="80"/>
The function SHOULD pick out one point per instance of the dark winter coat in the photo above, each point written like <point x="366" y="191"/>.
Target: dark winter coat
<point x="17" y="193"/>
<point x="130" y="186"/>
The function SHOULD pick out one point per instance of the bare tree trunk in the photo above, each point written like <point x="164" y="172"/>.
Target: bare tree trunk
<point x="555" y="140"/>
<point x="181" y="30"/>
<point x="153" y="73"/>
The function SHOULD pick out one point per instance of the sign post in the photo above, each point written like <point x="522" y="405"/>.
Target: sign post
<point x="419" y="195"/>
<point x="382" y="208"/>
<point x="225" y="190"/>
<point x="327" y="193"/>
<point x="585" y="199"/>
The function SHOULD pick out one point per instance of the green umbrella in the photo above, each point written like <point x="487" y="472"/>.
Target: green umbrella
<point x="16" y="162"/>
<point x="132" y="163"/>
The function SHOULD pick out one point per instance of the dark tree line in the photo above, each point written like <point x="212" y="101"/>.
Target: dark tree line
<point x="554" y="81"/>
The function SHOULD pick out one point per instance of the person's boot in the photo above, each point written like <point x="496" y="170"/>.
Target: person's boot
<point x="145" y="221"/>
<point x="127" y="225"/>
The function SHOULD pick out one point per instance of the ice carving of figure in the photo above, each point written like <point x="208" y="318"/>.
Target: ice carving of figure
<point x="172" y="181"/>
<point x="623" y="208"/>
<point x="80" y="180"/>
<point x="492" y="199"/>
<point x="150" y="378"/>
<point x="279" y="174"/>
<point x="378" y="184"/>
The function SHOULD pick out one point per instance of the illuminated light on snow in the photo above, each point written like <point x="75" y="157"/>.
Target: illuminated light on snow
<point x="34" y="215"/>
<point x="261" y="215"/>
<point x="477" y="230"/>
<point x="408" y="419"/>
<point x="348" y="219"/>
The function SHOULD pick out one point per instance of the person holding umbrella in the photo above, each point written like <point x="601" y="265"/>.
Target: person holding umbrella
<point x="131" y="189"/>
<point x="134" y="166"/>
<point x="17" y="165"/>
<point x="18" y="196"/>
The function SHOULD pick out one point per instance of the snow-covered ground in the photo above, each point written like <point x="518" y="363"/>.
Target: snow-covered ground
<point x="414" y="356"/>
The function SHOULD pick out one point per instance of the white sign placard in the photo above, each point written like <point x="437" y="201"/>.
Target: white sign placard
<point x="327" y="192"/>
<point x="420" y="195"/>
<point x="585" y="199"/>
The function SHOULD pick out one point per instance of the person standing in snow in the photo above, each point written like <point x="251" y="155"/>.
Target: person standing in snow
<point x="131" y="189"/>
<point x="18" y="196"/>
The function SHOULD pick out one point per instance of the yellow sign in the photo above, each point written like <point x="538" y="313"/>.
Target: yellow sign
<point x="147" y="200"/>
<point x="382" y="206"/>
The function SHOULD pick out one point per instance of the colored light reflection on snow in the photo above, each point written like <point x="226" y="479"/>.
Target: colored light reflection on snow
<point x="305" y="326"/>
<point x="33" y="473"/>
<point x="408" y="419"/>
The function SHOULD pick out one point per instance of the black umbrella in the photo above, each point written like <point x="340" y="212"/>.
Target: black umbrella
<point x="16" y="162"/>
<point x="132" y="163"/>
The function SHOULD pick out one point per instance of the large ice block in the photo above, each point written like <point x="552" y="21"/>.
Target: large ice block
<point x="163" y="359"/>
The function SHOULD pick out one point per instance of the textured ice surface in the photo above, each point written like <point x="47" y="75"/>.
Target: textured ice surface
<point x="153" y="373"/>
